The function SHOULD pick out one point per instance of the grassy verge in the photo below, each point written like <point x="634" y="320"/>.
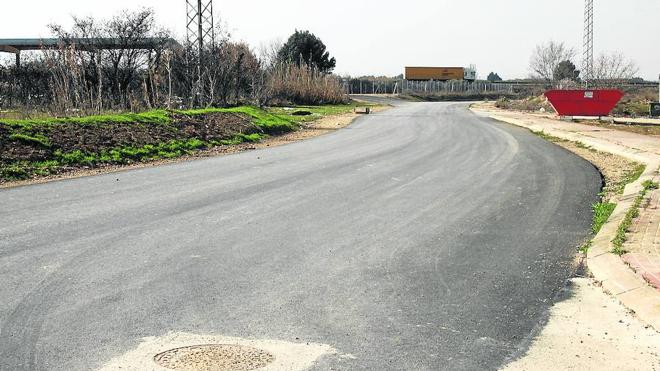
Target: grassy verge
<point x="150" y="117"/>
<point x="34" y="147"/>
<point x="631" y="215"/>
<point x="302" y="114"/>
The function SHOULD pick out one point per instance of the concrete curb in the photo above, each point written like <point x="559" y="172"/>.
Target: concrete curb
<point x="608" y="269"/>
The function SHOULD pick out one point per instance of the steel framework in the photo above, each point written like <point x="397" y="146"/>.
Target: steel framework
<point x="16" y="46"/>
<point x="588" y="42"/>
<point x="199" y="25"/>
<point x="199" y="32"/>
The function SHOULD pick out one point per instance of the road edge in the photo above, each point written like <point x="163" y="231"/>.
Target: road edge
<point x="609" y="270"/>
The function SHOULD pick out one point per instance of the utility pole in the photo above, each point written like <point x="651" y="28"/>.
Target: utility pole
<point x="588" y="42"/>
<point x="200" y="31"/>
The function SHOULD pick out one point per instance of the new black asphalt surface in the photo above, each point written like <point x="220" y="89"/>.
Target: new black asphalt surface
<point x="419" y="238"/>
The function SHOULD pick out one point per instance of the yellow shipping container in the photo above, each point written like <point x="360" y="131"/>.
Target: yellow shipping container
<point x="435" y="73"/>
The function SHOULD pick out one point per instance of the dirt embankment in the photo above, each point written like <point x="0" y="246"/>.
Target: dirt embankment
<point x="40" y="152"/>
<point x="42" y="142"/>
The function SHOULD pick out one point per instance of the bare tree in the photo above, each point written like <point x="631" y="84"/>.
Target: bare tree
<point x="117" y="78"/>
<point x="227" y="73"/>
<point x="76" y="71"/>
<point x="546" y="58"/>
<point x="613" y="68"/>
<point x="124" y="63"/>
<point x="269" y="51"/>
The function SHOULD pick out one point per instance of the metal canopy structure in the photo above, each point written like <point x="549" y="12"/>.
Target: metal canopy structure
<point x="16" y="46"/>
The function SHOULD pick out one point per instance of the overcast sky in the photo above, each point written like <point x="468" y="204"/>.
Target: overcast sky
<point x="382" y="36"/>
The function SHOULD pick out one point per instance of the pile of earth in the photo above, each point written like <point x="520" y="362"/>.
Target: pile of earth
<point x="40" y="142"/>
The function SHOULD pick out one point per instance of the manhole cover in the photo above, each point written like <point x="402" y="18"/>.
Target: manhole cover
<point x="214" y="357"/>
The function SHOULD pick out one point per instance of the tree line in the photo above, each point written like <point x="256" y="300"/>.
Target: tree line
<point x="553" y="62"/>
<point x="84" y="78"/>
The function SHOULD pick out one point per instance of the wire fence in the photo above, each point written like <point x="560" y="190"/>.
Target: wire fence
<point x="360" y="86"/>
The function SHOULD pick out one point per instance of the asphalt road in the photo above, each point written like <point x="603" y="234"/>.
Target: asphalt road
<point x="423" y="237"/>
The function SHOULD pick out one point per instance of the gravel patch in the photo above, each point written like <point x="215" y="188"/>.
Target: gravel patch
<point x="214" y="357"/>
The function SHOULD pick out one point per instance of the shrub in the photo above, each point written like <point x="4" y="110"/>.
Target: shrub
<point x="289" y="83"/>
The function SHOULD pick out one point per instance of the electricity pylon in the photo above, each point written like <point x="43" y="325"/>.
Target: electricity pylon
<point x="200" y="31"/>
<point x="588" y="42"/>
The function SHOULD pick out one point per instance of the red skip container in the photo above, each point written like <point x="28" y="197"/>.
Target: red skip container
<point x="584" y="102"/>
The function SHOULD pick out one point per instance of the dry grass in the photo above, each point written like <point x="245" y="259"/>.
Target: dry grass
<point x="531" y="104"/>
<point x="289" y="83"/>
<point x="638" y="129"/>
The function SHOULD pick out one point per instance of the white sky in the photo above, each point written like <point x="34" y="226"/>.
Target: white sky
<point x="382" y="36"/>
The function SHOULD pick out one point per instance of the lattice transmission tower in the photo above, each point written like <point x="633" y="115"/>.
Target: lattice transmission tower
<point x="200" y="31"/>
<point x="200" y="26"/>
<point x="588" y="42"/>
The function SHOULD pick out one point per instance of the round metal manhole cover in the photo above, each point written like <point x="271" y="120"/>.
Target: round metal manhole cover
<point x="214" y="357"/>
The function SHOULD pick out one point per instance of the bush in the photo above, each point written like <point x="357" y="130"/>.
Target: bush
<point x="531" y="104"/>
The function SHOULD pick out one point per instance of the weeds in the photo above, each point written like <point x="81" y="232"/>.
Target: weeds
<point x="586" y="246"/>
<point x="36" y="139"/>
<point x="602" y="212"/>
<point x="150" y="117"/>
<point x="548" y="137"/>
<point x="650" y="185"/>
<point x="14" y="172"/>
<point x="631" y="215"/>
<point x="629" y="177"/>
<point x="582" y="145"/>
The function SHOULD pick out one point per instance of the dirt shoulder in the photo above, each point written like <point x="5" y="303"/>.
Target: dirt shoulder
<point x="306" y="130"/>
<point x="632" y="127"/>
<point x="590" y="330"/>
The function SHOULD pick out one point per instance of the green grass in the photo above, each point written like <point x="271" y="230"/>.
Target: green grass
<point x="267" y="121"/>
<point x="317" y="111"/>
<point x="602" y="212"/>
<point x="629" y="176"/>
<point x="149" y="152"/>
<point x="548" y="137"/>
<point x="121" y="155"/>
<point x="31" y="139"/>
<point x="582" y="145"/>
<point x="586" y="246"/>
<point x="277" y="119"/>
<point x="631" y="215"/>
<point x="14" y="172"/>
<point x="650" y="185"/>
<point x="150" y="117"/>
